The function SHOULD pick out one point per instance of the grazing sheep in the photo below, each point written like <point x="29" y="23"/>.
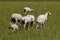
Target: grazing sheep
<point x="15" y="17"/>
<point x="13" y="27"/>
<point x="41" y="19"/>
<point x="27" y="9"/>
<point x="27" y="20"/>
<point x="32" y="19"/>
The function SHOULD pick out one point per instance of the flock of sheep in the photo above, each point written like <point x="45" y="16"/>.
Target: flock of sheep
<point x="28" y="19"/>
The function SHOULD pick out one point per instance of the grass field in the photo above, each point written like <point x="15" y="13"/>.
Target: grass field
<point x="50" y="31"/>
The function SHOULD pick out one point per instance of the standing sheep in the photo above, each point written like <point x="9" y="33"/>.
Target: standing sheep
<point x="28" y="19"/>
<point x="32" y="19"/>
<point x="41" y="19"/>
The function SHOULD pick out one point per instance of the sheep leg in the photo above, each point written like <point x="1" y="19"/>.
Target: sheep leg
<point x="29" y="25"/>
<point x="15" y="30"/>
<point x="37" y="26"/>
<point x="24" y="26"/>
<point x="41" y="25"/>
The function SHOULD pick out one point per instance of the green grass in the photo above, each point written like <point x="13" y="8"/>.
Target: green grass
<point x="29" y="0"/>
<point x="50" y="31"/>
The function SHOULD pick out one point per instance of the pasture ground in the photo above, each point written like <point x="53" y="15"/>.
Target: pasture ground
<point x="50" y="31"/>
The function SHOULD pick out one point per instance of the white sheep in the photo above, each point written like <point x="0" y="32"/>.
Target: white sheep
<point x="27" y="9"/>
<point x="32" y="19"/>
<point x="15" y="17"/>
<point x="27" y="19"/>
<point x="13" y="27"/>
<point x="41" y="19"/>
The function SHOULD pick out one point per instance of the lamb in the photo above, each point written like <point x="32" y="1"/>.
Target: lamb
<point x="41" y="19"/>
<point x="15" y="17"/>
<point x="27" y="9"/>
<point x="13" y="27"/>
